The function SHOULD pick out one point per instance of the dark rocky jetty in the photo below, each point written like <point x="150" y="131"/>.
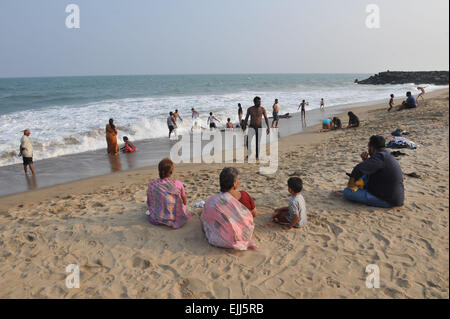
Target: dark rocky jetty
<point x="400" y="77"/>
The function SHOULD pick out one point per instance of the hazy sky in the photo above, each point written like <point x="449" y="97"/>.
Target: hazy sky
<point x="221" y="36"/>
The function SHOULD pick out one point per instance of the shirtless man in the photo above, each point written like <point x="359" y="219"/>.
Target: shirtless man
<point x="256" y="113"/>
<point x="303" y="114"/>
<point x="422" y="93"/>
<point x="177" y="115"/>
<point x="275" y="113"/>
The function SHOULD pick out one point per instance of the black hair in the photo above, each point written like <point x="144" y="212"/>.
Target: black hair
<point x="176" y="111"/>
<point x="210" y="113"/>
<point x="296" y="184"/>
<point x="378" y="142"/>
<point x="392" y="95"/>
<point x="228" y="119"/>
<point x="408" y="93"/>
<point x="111" y="123"/>
<point x="257" y="98"/>
<point x="125" y="138"/>
<point x="227" y="178"/>
<point x="170" y="113"/>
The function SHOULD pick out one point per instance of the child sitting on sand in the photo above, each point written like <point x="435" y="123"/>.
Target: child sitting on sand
<point x="295" y="214"/>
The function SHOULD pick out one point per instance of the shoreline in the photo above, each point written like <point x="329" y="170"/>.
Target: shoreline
<point x="122" y="176"/>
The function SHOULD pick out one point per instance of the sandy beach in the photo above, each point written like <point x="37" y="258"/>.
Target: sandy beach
<point x="99" y="224"/>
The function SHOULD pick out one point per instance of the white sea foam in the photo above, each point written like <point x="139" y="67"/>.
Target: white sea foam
<point x="62" y="130"/>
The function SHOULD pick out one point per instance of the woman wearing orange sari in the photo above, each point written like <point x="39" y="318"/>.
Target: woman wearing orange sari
<point x="111" y="138"/>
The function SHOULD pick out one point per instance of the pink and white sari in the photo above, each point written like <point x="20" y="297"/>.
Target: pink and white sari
<point x="165" y="204"/>
<point x="227" y="223"/>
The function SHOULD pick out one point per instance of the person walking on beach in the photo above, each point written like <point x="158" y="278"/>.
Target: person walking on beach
<point x="303" y="111"/>
<point x="171" y="123"/>
<point x="322" y="104"/>
<point x="26" y="151"/>
<point x="195" y="116"/>
<point x="422" y="92"/>
<point x="256" y="113"/>
<point x="275" y="113"/>
<point x="211" y="120"/>
<point x="111" y="138"/>
<point x="391" y="103"/>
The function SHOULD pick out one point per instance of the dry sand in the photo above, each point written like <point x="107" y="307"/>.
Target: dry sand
<point x="99" y="224"/>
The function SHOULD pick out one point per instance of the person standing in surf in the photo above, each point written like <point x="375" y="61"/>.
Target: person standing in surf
<point x="322" y="104"/>
<point x="26" y="151"/>
<point x="256" y="113"/>
<point x="211" y="120"/>
<point x="275" y="115"/>
<point x="303" y="112"/>
<point x="195" y="116"/>
<point x="171" y="123"/>
<point x="240" y="113"/>
<point x="111" y="138"/>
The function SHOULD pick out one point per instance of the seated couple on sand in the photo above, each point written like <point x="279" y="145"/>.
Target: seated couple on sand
<point x="227" y="217"/>
<point x="377" y="180"/>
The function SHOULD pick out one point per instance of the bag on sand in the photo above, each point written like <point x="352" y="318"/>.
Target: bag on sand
<point x="227" y="223"/>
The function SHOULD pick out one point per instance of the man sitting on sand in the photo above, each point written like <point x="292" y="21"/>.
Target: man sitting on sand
<point x="381" y="176"/>
<point x="26" y="151"/>
<point x="166" y="198"/>
<point x="226" y="217"/>
<point x="410" y="102"/>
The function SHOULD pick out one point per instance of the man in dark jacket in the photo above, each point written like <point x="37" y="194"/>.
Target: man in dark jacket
<point x="382" y="175"/>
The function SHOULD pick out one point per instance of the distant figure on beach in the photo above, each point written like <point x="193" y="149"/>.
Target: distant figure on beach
<point x="226" y="217"/>
<point x="240" y="112"/>
<point x="391" y="103"/>
<point x="171" y="123"/>
<point x="410" y="102"/>
<point x="422" y="93"/>
<point x="275" y="115"/>
<point x="26" y="151"/>
<point x="255" y="113"/>
<point x="303" y="112"/>
<point x="322" y="104"/>
<point x="111" y="138"/>
<point x="293" y="215"/>
<point x="211" y="120"/>
<point x="195" y="117"/>
<point x="378" y="180"/>
<point x="129" y="147"/>
<point x="353" y="120"/>
<point x="229" y="123"/>
<point x="166" y="198"/>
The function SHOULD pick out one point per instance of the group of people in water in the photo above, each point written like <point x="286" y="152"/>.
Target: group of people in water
<point x="228" y="216"/>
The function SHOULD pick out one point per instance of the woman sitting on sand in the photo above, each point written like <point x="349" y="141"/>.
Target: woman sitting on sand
<point x="226" y="217"/>
<point x="111" y="138"/>
<point x="353" y="120"/>
<point x="336" y="123"/>
<point x="166" y="198"/>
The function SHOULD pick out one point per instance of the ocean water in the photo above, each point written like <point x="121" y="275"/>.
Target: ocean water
<point x="67" y="115"/>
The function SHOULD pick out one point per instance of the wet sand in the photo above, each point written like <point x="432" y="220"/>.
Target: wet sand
<point x="99" y="224"/>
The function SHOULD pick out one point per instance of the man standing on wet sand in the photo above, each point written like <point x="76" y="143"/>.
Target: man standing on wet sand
<point x="256" y="112"/>
<point x="26" y="151"/>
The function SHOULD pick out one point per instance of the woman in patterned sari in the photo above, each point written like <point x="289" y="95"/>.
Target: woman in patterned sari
<point x="166" y="198"/>
<point x="227" y="222"/>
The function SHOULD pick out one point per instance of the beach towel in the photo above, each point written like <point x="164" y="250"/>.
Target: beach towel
<point x="165" y="204"/>
<point x="227" y="223"/>
<point x="401" y="142"/>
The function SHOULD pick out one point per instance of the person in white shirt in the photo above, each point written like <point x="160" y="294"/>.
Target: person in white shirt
<point x="26" y="151"/>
